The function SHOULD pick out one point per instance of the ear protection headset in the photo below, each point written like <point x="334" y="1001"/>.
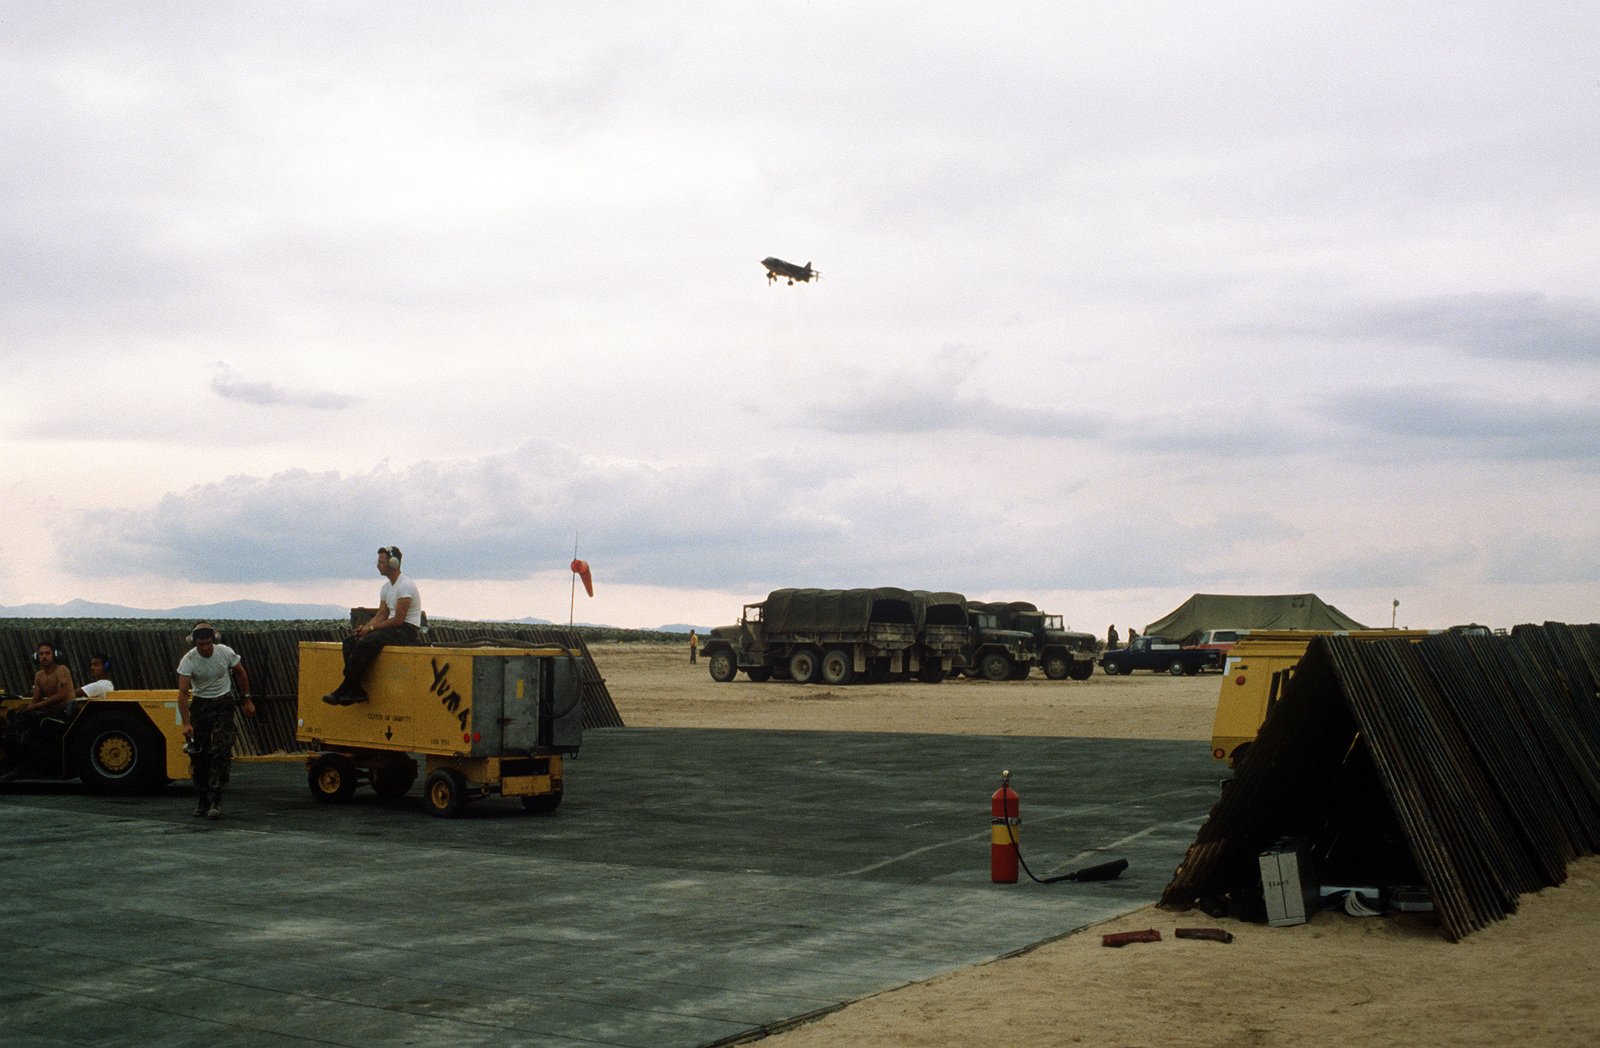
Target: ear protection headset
<point x="105" y="661"/>
<point x="200" y="632"/>
<point x="393" y="553"/>
<point x="46" y="644"/>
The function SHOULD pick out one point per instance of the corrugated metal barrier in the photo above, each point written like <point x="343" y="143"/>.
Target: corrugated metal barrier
<point x="1467" y="764"/>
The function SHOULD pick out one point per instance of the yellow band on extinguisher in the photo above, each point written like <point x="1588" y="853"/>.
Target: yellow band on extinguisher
<point x="1000" y="833"/>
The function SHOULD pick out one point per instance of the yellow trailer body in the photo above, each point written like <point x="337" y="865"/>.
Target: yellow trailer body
<point x="490" y="721"/>
<point x="1253" y="678"/>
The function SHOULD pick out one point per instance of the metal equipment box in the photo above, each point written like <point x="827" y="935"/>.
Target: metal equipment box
<point x="490" y="721"/>
<point x="1288" y="883"/>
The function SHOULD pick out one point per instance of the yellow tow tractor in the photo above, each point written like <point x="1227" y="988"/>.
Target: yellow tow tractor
<point x="120" y="742"/>
<point x="488" y="721"/>
<point x="1253" y="678"/>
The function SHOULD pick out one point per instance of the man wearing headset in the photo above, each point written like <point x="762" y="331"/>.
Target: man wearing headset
<point x="206" y="674"/>
<point x="99" y="683"/>
<point x="52" y="690"/>
<point x="398" y="620"/>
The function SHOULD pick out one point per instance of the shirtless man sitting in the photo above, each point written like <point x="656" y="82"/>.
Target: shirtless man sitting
<point x="52" y="689"/>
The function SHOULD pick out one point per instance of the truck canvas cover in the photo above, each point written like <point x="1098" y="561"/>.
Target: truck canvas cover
<point x="1207" y="611"/>
<point x="833" y="611"/>
<point x="939" y="609"/>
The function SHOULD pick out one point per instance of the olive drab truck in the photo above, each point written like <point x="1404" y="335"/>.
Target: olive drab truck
<point x="993" y="652"/>
<point x="819" y="635"/>
<point x="942" y="632"/>
<point x="487" y="721"/>
<point x="1059" y="652"/>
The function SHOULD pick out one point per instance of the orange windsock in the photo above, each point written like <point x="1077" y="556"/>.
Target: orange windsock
<point x="581" y="569"/>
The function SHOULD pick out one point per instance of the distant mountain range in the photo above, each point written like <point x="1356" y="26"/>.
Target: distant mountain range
<point x="230" y="609"/>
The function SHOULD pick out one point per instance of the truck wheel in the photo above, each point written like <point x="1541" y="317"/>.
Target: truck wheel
<point x="933" y="674"/>
<point x="332" y="778"/>
<point x="1176" y="669"/>
<point x="393" y="779"/>
<point x="805" y="666"/>
<point x="1111" y="667"/>
<point x="118" y="751"/>
<point x="995" y="666"/>
<point x="837" y="667"/>
<point x="543" y="804"/>
<point x="1056" y="666"/>
<point x="1020" y="670"/>
<point x="1082" y="670"/>
<point x="445" y="793"/>
<point x="759" y="674"/>
<point x="722" y="665"/>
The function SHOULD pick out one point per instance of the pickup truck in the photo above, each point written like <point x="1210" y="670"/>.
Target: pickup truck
<point x="1157" y="653"/>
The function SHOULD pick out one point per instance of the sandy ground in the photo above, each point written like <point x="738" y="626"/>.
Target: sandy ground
<point x="1530" y="979"/>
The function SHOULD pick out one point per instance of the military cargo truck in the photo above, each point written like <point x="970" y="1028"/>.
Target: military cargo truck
<point x="811" y="635"/>
<point x="942" y="632"/>
<point x="1058" y="651"/>
<point x="993" y="652"/>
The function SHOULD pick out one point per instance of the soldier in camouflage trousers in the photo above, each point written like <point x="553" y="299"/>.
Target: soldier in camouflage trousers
<point x="207" y="673"/>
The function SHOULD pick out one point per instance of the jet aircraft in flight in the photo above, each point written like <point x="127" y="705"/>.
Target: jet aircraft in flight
<point x="777" y="267"/>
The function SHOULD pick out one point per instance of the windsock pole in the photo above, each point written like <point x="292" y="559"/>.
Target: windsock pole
<point x="572" y="597"/>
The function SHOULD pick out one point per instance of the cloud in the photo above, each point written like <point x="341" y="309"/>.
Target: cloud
<point x="1502" y="325"/>
<point x="230" y="385"/>
<point x="1414" y="421"/>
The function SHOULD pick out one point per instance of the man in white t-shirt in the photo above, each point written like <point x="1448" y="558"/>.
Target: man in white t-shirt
<point x="98" y="683"/>
<point x="206" y="675"/>
<point x="398" y="620"/>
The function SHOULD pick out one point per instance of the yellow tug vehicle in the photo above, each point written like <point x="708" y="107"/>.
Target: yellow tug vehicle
<point x="487" y="721"/>
<point x="119" y="743"/>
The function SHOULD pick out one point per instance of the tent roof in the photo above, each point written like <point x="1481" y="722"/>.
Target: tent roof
<point x="1288" y="611"/>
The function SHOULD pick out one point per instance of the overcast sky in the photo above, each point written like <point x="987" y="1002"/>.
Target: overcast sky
<point x="1120" y="303"/>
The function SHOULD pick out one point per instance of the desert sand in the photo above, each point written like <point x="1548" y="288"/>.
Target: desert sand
<point x="1393" y="980"/>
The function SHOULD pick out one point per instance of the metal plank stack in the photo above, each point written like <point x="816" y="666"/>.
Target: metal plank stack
<point x="1468" y="764"/>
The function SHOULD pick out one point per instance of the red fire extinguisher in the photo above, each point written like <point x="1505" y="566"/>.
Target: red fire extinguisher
<point x="1005" y="830"/>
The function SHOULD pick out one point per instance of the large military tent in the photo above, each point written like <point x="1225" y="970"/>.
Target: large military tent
<point x="1216" y="611"/>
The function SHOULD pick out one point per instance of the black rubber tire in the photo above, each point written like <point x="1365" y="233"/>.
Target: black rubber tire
<point x="838" y="668"/>
<point x="931" y="674"/>
<point x="759" y="674"/>
<point x="1082" y="669"/>
<point x="1176" y="669"/>
<point x="1056" y="666"/>
<point x="1020" y="670"/>
<point x="995" y="666"/>
<point x="444" y="793"/>
<point x="805" y="666"/>
<point x="1111" y="667"/>
<point x="543" y="804"/>
<point x="332" y="778"/>
<point x="392" y="779"/>
<point x="723" y="666"/>
<point x="119" y="752"/>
